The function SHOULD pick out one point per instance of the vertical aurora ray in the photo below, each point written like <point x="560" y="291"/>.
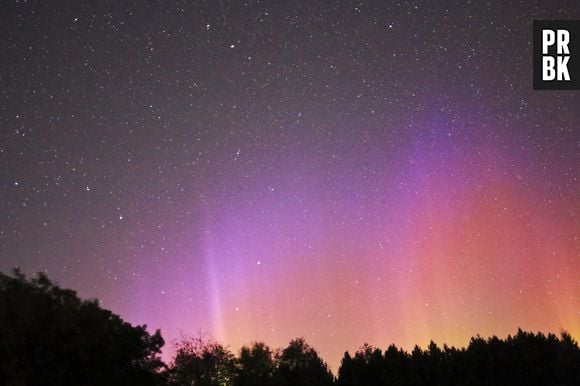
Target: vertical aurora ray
<point x="214" y="293"/>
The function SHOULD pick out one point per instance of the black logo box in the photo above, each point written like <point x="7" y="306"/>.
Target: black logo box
<point x="573" y="27"/>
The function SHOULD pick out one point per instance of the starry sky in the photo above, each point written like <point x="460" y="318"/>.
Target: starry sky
<point x="347" y="171"/>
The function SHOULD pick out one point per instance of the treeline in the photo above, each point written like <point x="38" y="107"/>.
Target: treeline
<point x="523" y="359"/>
<point x="48" y="336"/>
<point x="206" y="362"/>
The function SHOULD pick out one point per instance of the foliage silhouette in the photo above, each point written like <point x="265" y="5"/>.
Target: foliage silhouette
<point x="299" y="365"/>
<point x="202" y="362"/>
<point x="205" y="362"/>
<point x="256" y="366"/>
<point x="48" y="336"/>
<point x="524" y="359"/>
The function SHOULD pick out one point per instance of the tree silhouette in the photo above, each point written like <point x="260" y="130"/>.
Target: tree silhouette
<point x="202" y="362"/>
<point x="205" y="362"/>
<point x="300" y="365"/>
<point x="256" y="366"/>
<point x="48" y="336"/>
<point x="524" y="359"/>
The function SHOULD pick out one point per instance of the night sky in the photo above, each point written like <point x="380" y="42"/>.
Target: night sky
<point x="346" y="171"/>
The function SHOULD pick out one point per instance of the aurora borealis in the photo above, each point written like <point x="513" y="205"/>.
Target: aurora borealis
<point x="349" y="172"/>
